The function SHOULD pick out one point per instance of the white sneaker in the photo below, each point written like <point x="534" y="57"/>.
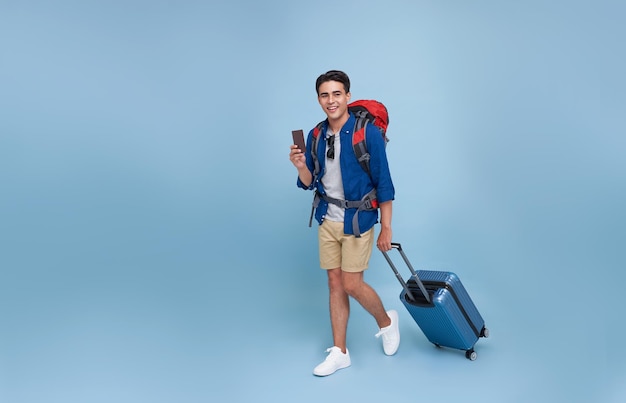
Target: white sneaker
<point x="391" y="334"/>
<point x="336" y="360"/>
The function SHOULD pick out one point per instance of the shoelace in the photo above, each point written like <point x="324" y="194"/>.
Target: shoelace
<point x="383" y="331"/>
<point x="331" y="356"/>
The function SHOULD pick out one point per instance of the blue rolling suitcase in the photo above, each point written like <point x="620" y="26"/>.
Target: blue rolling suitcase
<point x="441" y="307"/>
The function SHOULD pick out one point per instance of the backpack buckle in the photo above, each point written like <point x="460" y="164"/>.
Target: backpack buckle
<point x="371" y="204"/>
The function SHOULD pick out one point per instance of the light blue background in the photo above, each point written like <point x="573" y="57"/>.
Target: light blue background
<point x="154" y="247"/>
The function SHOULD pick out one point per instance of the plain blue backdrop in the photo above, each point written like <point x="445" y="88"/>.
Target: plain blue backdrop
<point x="154" y="246"/>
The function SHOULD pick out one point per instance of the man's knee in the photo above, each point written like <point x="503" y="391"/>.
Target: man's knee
<point x="352" y="282"/>
<point x="335" y="279"/>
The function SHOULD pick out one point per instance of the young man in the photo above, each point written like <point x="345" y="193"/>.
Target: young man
<point x="344" y="254"/>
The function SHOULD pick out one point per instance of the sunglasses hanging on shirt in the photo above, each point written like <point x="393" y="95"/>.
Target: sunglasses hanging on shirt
<point x="330" y="154"/>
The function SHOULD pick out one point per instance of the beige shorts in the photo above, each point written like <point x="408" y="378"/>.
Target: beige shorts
<point x="338" y="250"/>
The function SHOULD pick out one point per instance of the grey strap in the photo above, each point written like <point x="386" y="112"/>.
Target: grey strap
<point x="365" y="204"/>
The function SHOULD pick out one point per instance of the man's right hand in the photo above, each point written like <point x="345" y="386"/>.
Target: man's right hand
<point x="297" y="157"/>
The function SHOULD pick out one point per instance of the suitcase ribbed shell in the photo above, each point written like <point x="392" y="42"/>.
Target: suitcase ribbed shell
<point x="443" y="321"/>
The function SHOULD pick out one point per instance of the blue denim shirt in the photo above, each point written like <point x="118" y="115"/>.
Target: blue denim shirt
<point x="356" y="182"/>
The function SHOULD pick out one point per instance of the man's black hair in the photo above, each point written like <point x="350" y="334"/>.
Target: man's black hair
<point x="333" y="75"/>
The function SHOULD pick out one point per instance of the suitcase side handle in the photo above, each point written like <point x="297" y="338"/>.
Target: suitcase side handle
<point x="395" y="245"/>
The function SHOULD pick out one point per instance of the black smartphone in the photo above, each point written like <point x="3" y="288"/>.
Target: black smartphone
<point x="298" y="139"/>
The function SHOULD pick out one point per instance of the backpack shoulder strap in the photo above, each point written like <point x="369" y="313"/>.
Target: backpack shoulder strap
<point x="359" y="144"/>
<point x="317" y="131"/>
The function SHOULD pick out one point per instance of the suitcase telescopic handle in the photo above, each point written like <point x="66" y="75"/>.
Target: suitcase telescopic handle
<point x="395" y="245"/>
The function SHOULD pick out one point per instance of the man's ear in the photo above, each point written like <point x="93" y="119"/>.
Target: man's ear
<point x="348" y="95"/>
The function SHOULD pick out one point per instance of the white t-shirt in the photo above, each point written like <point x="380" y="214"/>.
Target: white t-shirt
<point x="332" y="181"/>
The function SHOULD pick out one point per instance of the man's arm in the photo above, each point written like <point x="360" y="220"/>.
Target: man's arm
<point x="384" y="238"/>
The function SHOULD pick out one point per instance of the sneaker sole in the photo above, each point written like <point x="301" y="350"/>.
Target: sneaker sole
<point x="323" y="375"/>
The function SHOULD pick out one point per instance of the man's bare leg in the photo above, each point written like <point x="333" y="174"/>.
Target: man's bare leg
<point x="358" y="289"/>
<point x="339" y="308"/>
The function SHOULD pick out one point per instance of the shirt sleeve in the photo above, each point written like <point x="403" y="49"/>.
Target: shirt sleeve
<point x="379" y="165"/>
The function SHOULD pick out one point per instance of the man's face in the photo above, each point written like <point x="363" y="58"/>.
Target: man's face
<point x="333" y="99"/>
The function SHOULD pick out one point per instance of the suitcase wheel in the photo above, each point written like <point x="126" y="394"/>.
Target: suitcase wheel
<point x="484" y="332"/>
<point x="471" y="355"/>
